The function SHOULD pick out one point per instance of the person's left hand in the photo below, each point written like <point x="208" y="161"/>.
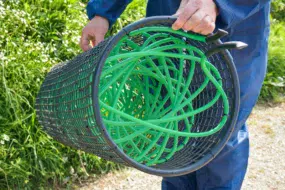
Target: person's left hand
<point x="196" y="15"/>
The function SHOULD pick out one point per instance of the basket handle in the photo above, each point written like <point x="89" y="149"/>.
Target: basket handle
<point x="227" y="45"/>
<point x="216" y="36"/>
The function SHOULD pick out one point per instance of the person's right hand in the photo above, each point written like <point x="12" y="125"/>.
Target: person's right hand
<point x="94" y="31"/>
<point x="196" y="15"/>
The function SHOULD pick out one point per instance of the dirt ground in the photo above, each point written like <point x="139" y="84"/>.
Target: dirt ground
<point x="266" y="164"/>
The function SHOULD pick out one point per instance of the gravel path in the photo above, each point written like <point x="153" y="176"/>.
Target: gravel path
<point x="266" y="164"/>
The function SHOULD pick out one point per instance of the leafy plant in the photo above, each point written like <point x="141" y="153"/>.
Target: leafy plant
<point x="278" y="10"/>
<point x="274" y="84"/>
<point x="34" y="36"/>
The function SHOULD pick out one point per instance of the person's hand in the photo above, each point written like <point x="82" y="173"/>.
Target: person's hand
<point x="196" y="15"/>
<point x="94" y="31"/>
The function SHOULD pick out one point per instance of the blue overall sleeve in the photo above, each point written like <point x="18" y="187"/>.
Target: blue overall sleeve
<point x="235" y="11"/>
<point x="109" y="9"/>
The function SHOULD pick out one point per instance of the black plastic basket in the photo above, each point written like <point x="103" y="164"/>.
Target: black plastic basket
<point x="111" y="115"/>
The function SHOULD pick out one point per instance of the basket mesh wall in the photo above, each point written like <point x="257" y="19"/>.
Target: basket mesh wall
<point x="65" y="108"/>
<point x="65" y="105"/>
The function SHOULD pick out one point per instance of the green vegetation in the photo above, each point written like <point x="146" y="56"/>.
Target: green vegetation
<point x="34" y="36"/>
<point x="278" y="10"/>
<point x="274" y="84"/>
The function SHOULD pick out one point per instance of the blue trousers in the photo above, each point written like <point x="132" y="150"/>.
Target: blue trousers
<point x="227" y="170"/>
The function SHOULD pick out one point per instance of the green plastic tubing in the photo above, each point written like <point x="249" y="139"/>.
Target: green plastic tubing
<point x="144" y="95"/>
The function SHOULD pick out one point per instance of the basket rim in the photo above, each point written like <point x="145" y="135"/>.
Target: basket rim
<point x="95" y="99"/>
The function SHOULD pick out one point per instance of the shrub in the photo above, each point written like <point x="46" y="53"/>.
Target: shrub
<point x="34" y="36"/>
<point x="278" y="10"/>
<point x="274" y="84"/>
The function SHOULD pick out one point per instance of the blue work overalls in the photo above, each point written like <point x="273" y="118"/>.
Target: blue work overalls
<point x="246" y="21"/>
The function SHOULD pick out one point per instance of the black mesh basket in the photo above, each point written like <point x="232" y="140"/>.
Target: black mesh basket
<point x="162" y="101"/>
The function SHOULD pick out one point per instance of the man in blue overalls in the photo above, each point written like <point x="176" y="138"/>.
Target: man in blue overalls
<point x="246" y="21"/>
